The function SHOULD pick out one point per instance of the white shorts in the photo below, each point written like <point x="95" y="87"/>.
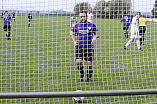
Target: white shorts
<point x="72" y="25"/>
<point x="70" y="33"/>
<point x="134" y="35"/>
<point x="89" y="20"/>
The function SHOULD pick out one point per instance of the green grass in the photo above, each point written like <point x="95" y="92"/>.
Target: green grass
<point x="42" y="59"/>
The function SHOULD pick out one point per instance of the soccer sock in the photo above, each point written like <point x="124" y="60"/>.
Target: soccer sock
<point x="143" y="39"/>
<point x="89" y="73"/>
<point x="8" y="34"/>
<point x="129" y="42"/>
<point x="126" y="34"/>
<point x="80" y="68"/>
<point x="140" y="41"/>
<point x="138" y="44"/>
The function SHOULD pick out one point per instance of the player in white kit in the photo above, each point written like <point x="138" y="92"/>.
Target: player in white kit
<point x="134" y="31"/>
<point x="73" y="21"/>
<point x="90" y="17"/>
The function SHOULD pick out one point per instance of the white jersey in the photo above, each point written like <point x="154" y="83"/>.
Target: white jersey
<point x="73" y="21"/>
<point x="134" y="24"/>
<point x="90" y="16"/>
<point x="134" y="28"/>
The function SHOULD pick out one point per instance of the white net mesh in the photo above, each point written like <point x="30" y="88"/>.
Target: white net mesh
<point x="41" y="58"/>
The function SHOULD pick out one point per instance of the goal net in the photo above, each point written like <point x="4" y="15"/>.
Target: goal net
<point x="41" y="57"/>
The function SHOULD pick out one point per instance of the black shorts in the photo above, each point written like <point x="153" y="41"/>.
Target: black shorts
<point x="13" y="17"/>
<point x="142" y="30"/>
<point x="86" y="53"/>
<point x="125" y="27"/>
<point x="6" y="27"/>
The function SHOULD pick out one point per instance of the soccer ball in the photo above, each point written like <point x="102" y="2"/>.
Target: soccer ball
<point x="78" y="99"/>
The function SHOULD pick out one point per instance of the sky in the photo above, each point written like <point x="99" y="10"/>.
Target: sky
<point x="66" y="5"/>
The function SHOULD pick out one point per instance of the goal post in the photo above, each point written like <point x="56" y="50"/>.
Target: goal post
<point x="78" y="94"/>
<point x="38" y="64"/>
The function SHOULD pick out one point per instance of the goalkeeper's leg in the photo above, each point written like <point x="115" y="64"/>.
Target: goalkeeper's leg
<point x="89" y="59"/>
<point x="80" y="68"/>
<point x="89" y="71"/>
<point x="79" y="60"/>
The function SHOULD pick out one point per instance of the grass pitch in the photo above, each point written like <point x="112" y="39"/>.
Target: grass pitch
<point x="42" y="59"/>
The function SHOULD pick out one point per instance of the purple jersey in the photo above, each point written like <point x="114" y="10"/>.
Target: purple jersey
<point x="85" y="34"/>
<point x="13" y="14"/>
<point x="6" y="19"/>
<point x="125" y="20"/>
<point x="29" y="15"/>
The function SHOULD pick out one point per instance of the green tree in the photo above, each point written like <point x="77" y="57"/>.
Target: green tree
<point x="84" y="6"/>
<point x="99" y="8"/>
<point x="154" y="10"/>
<point x="117" y="8"/>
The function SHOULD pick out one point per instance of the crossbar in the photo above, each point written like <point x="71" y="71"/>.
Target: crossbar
<point x="78" y="94"/>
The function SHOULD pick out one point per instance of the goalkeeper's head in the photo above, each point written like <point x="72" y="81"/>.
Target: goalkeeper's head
<point x="6" y="12"/>
<point x="83" y="16"/>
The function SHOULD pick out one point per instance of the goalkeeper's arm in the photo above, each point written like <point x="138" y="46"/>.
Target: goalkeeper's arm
<point x="73" y="38"/>
<point x="95" y="37"/>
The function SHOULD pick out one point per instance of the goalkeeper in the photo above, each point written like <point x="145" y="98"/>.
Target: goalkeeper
<point x="84" y="45"/>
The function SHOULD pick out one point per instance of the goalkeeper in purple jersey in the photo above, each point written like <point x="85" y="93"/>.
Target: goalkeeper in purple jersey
<point x="6" y="24"/>
<point x="84" y="45"/>
<point x="126" y="24"/>
<point x="30" y="18"/>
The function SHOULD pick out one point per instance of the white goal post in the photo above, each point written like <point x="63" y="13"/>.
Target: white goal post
<point x="78" y="94"/>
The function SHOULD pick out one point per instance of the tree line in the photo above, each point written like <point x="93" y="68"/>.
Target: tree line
<point x="110" y="9"/>
<point x="154" y="10"/>
<point x="104" y="9"/>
